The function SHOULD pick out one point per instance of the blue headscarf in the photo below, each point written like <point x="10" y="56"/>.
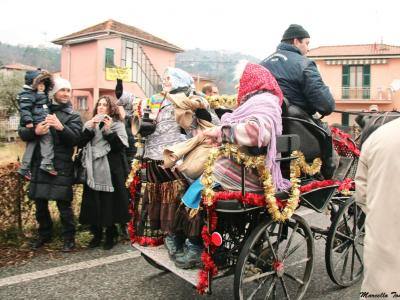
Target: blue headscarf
<point x="179" y="78"/>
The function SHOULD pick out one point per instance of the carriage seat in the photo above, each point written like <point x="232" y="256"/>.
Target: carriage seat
<point x="316" y="141"/>
<point x="284" y="144"/>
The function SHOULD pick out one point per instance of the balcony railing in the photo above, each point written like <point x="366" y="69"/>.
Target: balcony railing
<point x="356" y="93"/>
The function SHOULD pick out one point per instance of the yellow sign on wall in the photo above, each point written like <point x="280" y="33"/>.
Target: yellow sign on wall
<point x="122" y="73"/>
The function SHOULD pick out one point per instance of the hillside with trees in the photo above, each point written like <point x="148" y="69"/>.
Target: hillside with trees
<point x="45" y="57"/>
<point x="217" y="65"/>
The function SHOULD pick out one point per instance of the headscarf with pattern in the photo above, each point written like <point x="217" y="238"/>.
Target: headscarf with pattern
<point x="257" y="78"/>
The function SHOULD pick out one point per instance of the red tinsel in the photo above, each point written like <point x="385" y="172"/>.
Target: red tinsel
<point x="209" y="267"/>
<point x="149" y="241"/>
<point x="141" y="240"/>
<point x="249" y="199"/>
<point x="344" y="143"/>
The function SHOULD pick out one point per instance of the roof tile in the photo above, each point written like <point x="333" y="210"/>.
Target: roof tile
<point x="355" y="50"/>
<point x="117" y="27"/>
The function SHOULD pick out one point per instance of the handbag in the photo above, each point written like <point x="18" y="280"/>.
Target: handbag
<point x="79" y="170"/>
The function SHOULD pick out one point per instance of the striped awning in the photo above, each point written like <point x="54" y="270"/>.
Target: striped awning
<point x="373" y="61"/>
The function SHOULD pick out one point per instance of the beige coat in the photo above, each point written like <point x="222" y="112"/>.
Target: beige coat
<point x="378" y="194"/>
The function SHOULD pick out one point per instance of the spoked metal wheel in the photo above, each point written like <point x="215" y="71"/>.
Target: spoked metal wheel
<point x="344" y="246"/>
<point x="276" y="261"/>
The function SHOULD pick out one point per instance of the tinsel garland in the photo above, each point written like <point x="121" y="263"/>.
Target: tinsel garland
<point x="296" y="165"/>
<point x="344" y="143"/>
<point x="229" y="101"/>
<point x="301" y="165"/>
<point x="133" y="184"/>
<point x="209" y="267"/>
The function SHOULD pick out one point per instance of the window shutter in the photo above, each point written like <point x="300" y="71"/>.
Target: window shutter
<point x="345" y="119"/>
<point x="366" y="82"/>
<point x="109" y="58"/>
<point x="345" y="81"/>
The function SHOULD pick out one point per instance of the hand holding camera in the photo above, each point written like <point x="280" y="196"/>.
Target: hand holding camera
<point x="105" y="122"/>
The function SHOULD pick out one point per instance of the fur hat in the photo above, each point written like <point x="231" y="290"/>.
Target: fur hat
<point x="295" y="31"/>
<point x="46" y="78"/>
<point x="61" y="83"/>
<point x="30" y="76"/>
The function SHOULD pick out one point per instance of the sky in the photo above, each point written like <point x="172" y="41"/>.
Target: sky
<point x="250" y="26"/>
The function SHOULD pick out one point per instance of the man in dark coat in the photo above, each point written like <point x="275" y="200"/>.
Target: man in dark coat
<point x="65" y="127"/>
<point x="297" y="75"/>
<point x="302" y="86"/>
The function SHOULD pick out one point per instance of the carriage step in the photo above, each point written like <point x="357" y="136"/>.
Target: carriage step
<point x="160" y="255"/>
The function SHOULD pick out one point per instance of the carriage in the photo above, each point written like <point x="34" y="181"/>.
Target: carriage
<point x="260" y="239"/>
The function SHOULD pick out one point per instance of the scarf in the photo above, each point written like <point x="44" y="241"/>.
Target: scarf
<point x="265" y="108"/>
<point x="179" y="78"/>
<point x="257" y="78"/>
<point x="95" y="160"/>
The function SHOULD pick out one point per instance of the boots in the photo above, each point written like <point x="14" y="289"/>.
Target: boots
<point x="111" y="234"/>
<point x="40" y="242"/>
<point x="191" y="258"/>
<point x="174" y="244"/>
<point x="97" y="236"/>
<point x="69" y="245"/>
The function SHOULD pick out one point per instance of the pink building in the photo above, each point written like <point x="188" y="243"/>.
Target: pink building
<point x="360" y="76"/>
<point x="89" y="59"/>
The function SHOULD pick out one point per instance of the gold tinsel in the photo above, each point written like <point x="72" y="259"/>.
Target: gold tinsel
<point x="302" y="166"/>
<point x="296" y="166"/>
<point x="135" y="167"/>
<point x="228" y="101"/>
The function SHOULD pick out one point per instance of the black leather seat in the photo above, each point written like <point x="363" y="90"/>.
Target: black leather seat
<point x="315" y="141"/>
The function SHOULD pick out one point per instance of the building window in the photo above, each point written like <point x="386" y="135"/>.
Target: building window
<point x="82" y="102"/>
<point x="109" y="59"/>
<point x="143" y="72"/>
<point x="356" y="82"/>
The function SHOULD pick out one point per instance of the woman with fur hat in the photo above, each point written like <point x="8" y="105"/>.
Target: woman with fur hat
<point x="34" y="105"/>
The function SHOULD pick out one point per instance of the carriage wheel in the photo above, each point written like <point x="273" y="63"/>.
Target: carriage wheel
<point x="343" y="252"/>
<point x="154" y="264"/>
<point x="276" y="261"/>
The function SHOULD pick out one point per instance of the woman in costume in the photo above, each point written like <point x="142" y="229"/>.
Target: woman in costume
<point x="256" y="122"/>
<point x="162" y="188"/>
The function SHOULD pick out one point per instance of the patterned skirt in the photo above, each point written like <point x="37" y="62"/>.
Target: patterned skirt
<point x="157" y="202"/>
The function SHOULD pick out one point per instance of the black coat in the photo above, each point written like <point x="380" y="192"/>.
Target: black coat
<point x="32" y="106"/>
<point x="300" y="80"/>
<point x="46" y="186"/>
<point x="107" y="208"/>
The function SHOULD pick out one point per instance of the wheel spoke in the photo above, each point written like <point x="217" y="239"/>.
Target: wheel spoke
<point x="258" y="276"/>
<point x="346" y="225"/>
<point x="279" y="239"/>
<point x="360" y="231"/>
<point x="345" y="264"/>
<point x="285" y="288"/>
<point x="294" y="278"/>
<point x="341" y="245"/>
<point x="257" y="258"/>
<point x="272" y="287"/>
<point x="298" y="262"/>
<point x="341" y="257"/>
<point x="270" y="245"/>
<point x="343" y="235"/>
<point x="290" y="239"/>
<point x="257" y="289"/>
<point x="359" y="257"/>
<point x="298" y="245"/>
